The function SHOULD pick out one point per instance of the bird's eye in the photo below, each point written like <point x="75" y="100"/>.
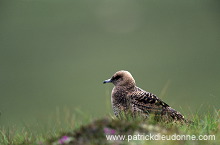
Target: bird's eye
<point x="116" y="77"/>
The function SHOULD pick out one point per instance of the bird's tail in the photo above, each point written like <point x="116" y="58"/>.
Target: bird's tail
<point x="172" y="114"/>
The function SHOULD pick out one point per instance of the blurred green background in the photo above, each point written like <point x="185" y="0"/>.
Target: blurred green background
<point x="56" y="53"/>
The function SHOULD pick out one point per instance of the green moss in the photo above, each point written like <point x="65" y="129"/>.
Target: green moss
<point x="94" y="132"/>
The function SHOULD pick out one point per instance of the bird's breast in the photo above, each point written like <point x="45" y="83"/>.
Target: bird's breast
<point x="119" y="96"/>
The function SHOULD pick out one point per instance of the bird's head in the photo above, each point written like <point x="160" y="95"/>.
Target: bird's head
<point x="121" y="78"/>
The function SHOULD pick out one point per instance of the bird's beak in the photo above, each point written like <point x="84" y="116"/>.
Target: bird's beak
<point x="107" y="81"/>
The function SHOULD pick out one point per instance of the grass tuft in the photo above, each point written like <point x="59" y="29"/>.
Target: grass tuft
<point x="87" y="130"/>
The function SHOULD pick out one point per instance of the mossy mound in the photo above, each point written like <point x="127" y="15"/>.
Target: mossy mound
<point x="95" y="132"/>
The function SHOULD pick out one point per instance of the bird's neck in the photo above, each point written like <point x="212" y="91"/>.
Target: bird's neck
<point x="126" y="88"/>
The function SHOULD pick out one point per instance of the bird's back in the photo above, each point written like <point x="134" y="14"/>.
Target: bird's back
<point x="142" y="102"/>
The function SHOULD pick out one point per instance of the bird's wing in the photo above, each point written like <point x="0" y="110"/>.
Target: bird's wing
<point x="146" y="102"/>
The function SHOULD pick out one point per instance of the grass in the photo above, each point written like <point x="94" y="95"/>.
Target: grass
<point x="89" y="131"/>
<point x="63" y="120"/>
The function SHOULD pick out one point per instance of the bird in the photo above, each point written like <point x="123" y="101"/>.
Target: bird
<point x="127" y="97"/>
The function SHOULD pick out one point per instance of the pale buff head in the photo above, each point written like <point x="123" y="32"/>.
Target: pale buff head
<point x="121" y="78"/>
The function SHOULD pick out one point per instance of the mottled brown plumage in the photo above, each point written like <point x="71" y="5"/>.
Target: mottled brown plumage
<point x="126" y="96"/>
